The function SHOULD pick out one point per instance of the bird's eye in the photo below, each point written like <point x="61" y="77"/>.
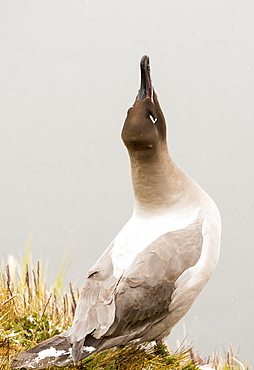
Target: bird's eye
<point x="152" y="118"/>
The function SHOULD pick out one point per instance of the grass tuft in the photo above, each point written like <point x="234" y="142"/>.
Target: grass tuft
<point x="29" y="312"/>
<point x="138" y="358"/>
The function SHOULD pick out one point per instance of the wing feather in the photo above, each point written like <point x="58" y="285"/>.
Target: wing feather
<point x="145" y="290"/>
<point x="95" y="312"/>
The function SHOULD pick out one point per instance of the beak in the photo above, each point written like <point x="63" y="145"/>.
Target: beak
<point x="146" y="87"/>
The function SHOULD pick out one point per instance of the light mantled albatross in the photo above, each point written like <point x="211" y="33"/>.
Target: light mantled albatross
<point x="150" y="275"/>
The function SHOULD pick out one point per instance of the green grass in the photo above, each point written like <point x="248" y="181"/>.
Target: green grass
<point x="30" y="313"/>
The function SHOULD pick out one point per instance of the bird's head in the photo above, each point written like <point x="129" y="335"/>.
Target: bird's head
<point x="144" y="127"/>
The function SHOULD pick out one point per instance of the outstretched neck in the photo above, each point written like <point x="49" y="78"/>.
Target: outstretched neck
<point x="157" y="180"/>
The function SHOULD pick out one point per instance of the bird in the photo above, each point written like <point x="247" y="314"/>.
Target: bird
<point x="152" y="272"/>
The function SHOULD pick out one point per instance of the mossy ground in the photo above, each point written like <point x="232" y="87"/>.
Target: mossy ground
<point x="31" y="313"/>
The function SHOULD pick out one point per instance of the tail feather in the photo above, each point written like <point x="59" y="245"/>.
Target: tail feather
<point x="58" y="351"/>
<point x="55" y="351"/>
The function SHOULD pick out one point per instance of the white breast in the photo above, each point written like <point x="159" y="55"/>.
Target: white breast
<point x="139" y="232"/>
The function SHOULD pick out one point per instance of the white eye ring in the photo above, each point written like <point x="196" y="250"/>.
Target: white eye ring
<point x="154" y="120"/>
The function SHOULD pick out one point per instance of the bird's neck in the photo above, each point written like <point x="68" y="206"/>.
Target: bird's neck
<point x="157" y="181"/>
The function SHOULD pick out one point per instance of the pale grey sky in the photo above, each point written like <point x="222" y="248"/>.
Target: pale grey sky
<point x="69" y="70"/>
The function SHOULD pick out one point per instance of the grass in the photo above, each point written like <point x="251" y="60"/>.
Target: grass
<point x="30" y="313"/>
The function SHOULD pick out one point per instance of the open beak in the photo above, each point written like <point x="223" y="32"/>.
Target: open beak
<point x="146" y="87"/>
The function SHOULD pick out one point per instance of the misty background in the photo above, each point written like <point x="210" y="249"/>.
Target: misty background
<point x="69" y="70"/>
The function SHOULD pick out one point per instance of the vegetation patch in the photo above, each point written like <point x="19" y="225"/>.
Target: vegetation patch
<point x="30" y="313"/>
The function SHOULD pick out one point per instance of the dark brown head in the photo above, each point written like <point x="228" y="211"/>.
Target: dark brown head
<point x="145" y="127"/>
